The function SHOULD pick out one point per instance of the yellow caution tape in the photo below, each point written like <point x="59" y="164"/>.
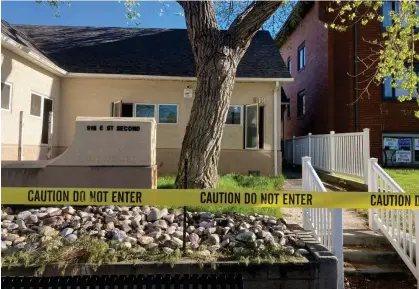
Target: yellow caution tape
<point x="137" y="197"/>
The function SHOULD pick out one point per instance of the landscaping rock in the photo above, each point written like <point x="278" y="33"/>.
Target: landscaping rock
<point x="66" y="231"/>
<point x="153" y="215"/>
<point x="70" y="238"/>
<point x="167" y="250"/>
<point x="171" y="230"/>
<point x="145" y="240"/>
<point x="169" y="218"/>
<point x="54" y="212"/>
<point x="47" y="231"/>
<point x="126" y="245"/>
<point x="246" y="237"/>
<point x="24" y="215"/>
<point x="118" y="235"/>
<point x="213" y="239"/>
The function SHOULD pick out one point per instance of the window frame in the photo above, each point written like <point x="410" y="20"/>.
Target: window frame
<point x="257" y="128"/>
<point x="134" y="109"/>
<point x="177" y="113"/>
<point x="398" y="135"/>
<point x="241" y="116"/>
<point x="10" y="96"/>
<point x="304" y="108"/>
<point x="41" y="112"/>
<point x="302" y="46"/>
<point x="289" y="65"/>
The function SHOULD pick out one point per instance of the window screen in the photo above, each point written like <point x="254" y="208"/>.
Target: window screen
<point x="5" y="96"/>
<point x="36" y="104"/>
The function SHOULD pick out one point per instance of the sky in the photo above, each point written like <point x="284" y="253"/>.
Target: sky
<point x="93" y="13"/>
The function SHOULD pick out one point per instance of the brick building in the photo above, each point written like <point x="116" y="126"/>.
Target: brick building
<point x="324" y="94"/>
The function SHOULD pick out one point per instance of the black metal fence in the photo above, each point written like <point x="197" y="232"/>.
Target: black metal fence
<point x="126" y="282"/>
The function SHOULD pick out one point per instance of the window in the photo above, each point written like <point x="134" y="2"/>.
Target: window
<point x="36" y="102"/>
<point x="6" y="96"/>
<point x="301" y="103"/>
<point x="399" y="149"/>
<point x="390" y="92"/>
<point x="389" y="6"/>
<point x="252" y="127"/>
<point x="145" y="110"/>
<point x="289" y="64"/>
<point x="168" y="113"/>
<point x="234" y="115"/>
<point x="301" y="56"/>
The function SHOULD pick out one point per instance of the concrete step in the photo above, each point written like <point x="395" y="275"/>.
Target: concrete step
<point x="351" y="268"/>
<point x="363" y="237"/>
<point x="371" y="254"/>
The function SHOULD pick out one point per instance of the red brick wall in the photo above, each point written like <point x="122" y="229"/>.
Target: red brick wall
<point x="375" y="113"/>
<point x="312" y="78"/>
<point x="330" y="85"/>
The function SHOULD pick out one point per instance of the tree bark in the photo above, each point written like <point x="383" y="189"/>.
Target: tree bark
<point x="217" y="55"/>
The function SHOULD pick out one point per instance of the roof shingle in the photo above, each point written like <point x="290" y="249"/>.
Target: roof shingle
<point x="139" y="51"/>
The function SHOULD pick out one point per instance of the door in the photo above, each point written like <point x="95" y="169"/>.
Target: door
<point x="252" y="127"/>
<point x="116" y="110"/>
<point x="45" y="120"/>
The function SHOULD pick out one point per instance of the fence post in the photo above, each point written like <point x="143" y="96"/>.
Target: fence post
<point x="372" y="187"/>
<point x="332" y="153"/>
<point x="19" y="144"/>
<point x="416" y="212"/>
<point x="309" y="145"/>
<point x="337" y="242"/>
<point x="306" y="187"/>
<point x="366" y="152"/>
<point x="293" y="151"/>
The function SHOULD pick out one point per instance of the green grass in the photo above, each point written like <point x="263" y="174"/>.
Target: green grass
<point x="408" y="179"/>
<point x="236" y="182"/>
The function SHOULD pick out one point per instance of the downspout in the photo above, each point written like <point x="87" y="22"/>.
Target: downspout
<point x="276" y="129"/>
<point x="356" y="75"/>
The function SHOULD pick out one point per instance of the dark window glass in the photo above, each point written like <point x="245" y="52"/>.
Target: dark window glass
<point x="5" y="96"/>
<point x="301" y="104"/>
<point x="390" y="92"/>
<point x="301" y="56"/>
<point x="36" y="104"/>
<point x="234" y="115"/>
<point x="289" y="65"/>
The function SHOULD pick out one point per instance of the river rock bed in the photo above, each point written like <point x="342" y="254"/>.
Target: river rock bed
<point x="147" y="228"/>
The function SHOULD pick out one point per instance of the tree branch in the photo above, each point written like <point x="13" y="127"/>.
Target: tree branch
<point x="245" y="26"/>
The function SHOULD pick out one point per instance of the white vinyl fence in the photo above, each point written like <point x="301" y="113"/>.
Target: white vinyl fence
<point x="340" y="153"/>
<point x="399" y="226"/>
<point x="326" y="225"/>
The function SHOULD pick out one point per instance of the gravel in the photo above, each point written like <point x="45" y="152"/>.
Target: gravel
<point x="145" y="228"/>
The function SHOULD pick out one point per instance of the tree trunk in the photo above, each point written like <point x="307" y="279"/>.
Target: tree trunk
<point x="202" y="140"/>
<point x="217" y="55"/>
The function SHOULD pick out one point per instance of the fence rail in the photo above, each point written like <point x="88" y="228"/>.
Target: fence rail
<point x="326" y="225"/>
<point x="126" y="281"/>
<point x="338" y="153"/>
<point x="398" y="226"/>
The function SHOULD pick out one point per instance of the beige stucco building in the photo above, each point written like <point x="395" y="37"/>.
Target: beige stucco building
<point x="72" y="78"/>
